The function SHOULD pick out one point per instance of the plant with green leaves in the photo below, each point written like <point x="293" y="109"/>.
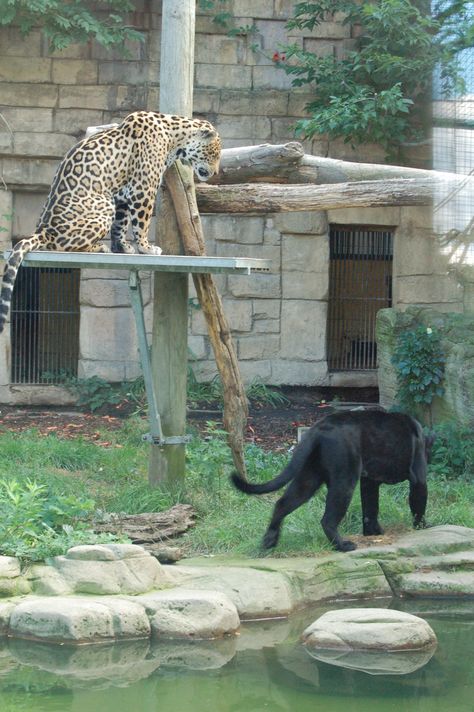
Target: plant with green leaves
<point x="36" y="523"/>
<point x="73" y="21"/>
<point x="419" y="361"/>
<point x="377" y="89"/>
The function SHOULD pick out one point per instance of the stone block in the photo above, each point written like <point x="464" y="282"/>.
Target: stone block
<point x="319" y="47"/>
<point x="35" y="95"/>
<point x="76" y="121"/>
<point x="258" y="347"/>
<point x="128" y="72"/>
<point x="183" y="613"/>
<point x="305" y="285"/>
<point x="267" y="326"/>
<point x="206" y="101"/>
<point x="389" y="217"/>
<point x="23" y="69"/>
<point x="252" y="371"/>
<point x="86" y="97"/>
<point x="75" y="71"/>
<point x="304" y="222"/>
<point x="72" y="51"/>
<point x="43" y="144"/>
<point x="243" y="230"/>
<point x="256" y="127"/>
<point x="257" y="285"/>
<point x="283" y="130"/>
<point x="433" y="290"/>
<point x="274" y="34"/>
<point x="238" y="313"/>
<point x="224" y="76"/>
<point x="270" y="77"/>
<point x="117" y="334"/>
<point x="15" y="44"/>
<point x="249" y="8"/>
<point x="303" y="330"/>
<point x="264" y="309"/>
<point x="109" y="293"/>
<point x="36" y="174"/>
<point x="283" y="9"/>
<point x="253" y="103"/>
<point x="198" y="348"/>
<point x="28" y="119"/>
<point x="219" y="49"/>
<point x="6" y="218"/>
<point x="299" y="373"/>
<point x="297" y="102"/>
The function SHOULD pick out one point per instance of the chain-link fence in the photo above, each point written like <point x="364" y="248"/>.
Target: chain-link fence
<point x="453" y="151"/>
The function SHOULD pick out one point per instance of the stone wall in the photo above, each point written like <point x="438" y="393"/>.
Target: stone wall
<point x="279" y="319"/>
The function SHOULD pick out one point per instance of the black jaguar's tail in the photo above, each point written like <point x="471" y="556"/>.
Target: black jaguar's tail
<point x="305" y="449"/>
<point x="10" y="272"/>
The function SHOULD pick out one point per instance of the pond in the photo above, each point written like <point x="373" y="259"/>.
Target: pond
<point x="263" y="669"/>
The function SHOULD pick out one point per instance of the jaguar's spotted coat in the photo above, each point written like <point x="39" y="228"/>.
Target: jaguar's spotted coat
<point x="109" y="180"/>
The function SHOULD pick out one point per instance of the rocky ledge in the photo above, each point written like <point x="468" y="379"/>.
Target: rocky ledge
<point x="116" y="591"/>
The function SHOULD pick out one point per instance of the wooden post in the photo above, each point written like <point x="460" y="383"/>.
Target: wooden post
<point x="169" y="341"/>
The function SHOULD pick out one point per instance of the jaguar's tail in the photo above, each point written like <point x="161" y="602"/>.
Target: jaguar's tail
<point x="306" y="448"/>
<point x="11" y="270"/>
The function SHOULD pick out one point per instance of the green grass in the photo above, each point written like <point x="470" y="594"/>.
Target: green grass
<point x="116" y="478"/>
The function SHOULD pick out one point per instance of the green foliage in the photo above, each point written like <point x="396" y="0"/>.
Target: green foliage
<point x="452" y="456"/>
<point x="35" y="523"/>
<point x="94" y="392"/>
<point x="73" y="21"/>
<point x="419" y="362"/>
<point x="375" y="91"/>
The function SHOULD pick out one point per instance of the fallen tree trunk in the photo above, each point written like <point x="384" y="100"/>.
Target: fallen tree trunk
<point x="263" y="198"/>
<point x="288" y="163"/>
<point x="180" y="184"/>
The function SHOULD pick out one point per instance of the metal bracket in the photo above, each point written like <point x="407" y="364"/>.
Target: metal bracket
<point x="172" y="440"/>
<point x="155" y="436"/>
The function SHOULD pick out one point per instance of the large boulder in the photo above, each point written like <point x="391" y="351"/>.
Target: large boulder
<point x="78" y="620"/>
<point x="11" y="581"/>
<point x="107" y="569"/>
<point x="369" y="629"/>
<point x="181" y="613"/>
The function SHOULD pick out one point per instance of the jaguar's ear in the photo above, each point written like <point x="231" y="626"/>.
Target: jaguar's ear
<point x="209" y="134"/>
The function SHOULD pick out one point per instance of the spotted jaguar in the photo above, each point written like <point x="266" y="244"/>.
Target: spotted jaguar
<point x="108" y="182"/>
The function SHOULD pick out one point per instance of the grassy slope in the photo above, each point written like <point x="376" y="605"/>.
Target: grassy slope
<point x="115" y="476"/>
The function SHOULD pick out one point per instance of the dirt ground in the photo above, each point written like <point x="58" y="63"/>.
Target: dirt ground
<point x="273" y="428"/>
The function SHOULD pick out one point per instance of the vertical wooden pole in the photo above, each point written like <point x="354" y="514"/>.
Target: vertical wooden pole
<point x="170" y="310"/>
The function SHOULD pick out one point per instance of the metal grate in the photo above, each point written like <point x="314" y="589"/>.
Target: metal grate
<point x="360" y="283"/>
<point x="45" y="325"/>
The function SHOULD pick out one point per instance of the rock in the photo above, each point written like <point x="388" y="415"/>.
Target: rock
<point x="47" y="581"/>
<point x="79" y="619"/>
<point x="11" y="581"/>
<point x="110" y="569"/>
<point x="255" y="593"/>
<point x="181" y="613"/>
<point x="6" y="609"/>
<point x="369" y="629"/>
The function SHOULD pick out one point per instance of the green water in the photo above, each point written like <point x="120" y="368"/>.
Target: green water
<point x="265" y="669"/>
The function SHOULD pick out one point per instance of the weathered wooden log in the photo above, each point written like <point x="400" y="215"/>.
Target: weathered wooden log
<point x="150" y="527"/>
<point x="260" y="198"/>
<point x="179" y="183"/>
<point x="287" y="163"/>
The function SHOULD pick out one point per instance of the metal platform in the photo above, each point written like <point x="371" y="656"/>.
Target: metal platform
<point x="156" y="263"/>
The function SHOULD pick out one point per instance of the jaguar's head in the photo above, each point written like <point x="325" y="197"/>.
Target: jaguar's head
<point x="203" y="150"/>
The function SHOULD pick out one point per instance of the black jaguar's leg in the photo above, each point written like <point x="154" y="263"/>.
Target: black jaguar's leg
<point x="337" y="502"/>
<point x="417" y="499"/>
<point x="296" y="494"/>
<point x="369" y="495"/>
<point x="119" y="229"/>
